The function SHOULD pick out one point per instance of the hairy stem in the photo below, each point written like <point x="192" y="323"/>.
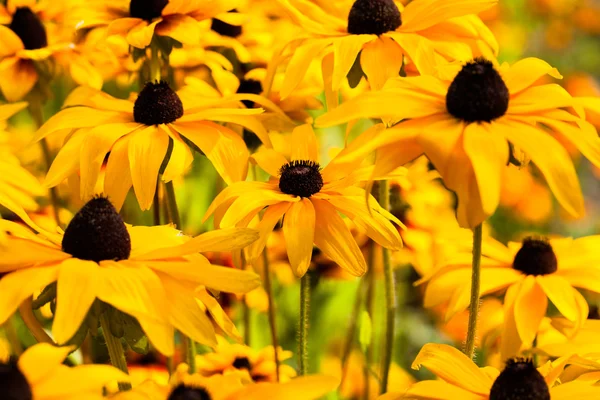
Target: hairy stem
<point x="304" y="322"/>
<point x="272" y="311"/>
<point x="475" y="283"/>
<point x="115" y="350"/>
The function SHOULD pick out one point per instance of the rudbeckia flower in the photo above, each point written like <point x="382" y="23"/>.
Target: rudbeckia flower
<point x="309" y="200"/>
<point x="229" y="387"/>
<point x="139" y="20"/>
<point x="249" y="364"/>
<point x="154" y="274"/>
<point x="136" y="137"/>
<point x="24" y="43"/>
<point x="460" y="378"/>
<point x="466" y="120"/>
<point x="532" y="272"/>
<point x="382" y="32"/>
<point x="39" y="374"/>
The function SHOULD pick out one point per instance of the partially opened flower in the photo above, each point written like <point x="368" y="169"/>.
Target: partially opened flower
<point x="154" y="274"/>
<point x="460" y="378"/>
<point x="136" y="137"/>
<point x="139" y="20"/>
<point x="532" y="272"/>
<point x="308" y="199"/>
<point x="383" y="33"/>
<point x="470" y="122"/>
<point x="40" y="374"/>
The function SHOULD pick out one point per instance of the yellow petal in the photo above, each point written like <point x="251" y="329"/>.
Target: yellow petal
<point x="160" y="334"/>
<point x="299" y="231"/>
<point x="147" y="150"/>
<point x="299" y="63"/>
<point x="334" y="239"/>
<point x="10" y="43"/>
<point x="575" y="390"/>
<point x="583" y="136"/>
<point x="76" y="291"/>
<point x="302" y="388"/>
<point x="269" y="160"/>
<point x="434" y="390"/>
<point x="8" y="110"/>
<point x="454" y="367"/>
<point x="83" y="380"/>
<point x="345" y="50"/>
<point x="84" y="73"/>
<point x="18" y="78"/>
<point x="67" y="160"/>
<point x="234" y="191"/>
<point x="524" y="73"/>
<point x="140" y="35"/>
<point x="560" y="292"/>
<point x="218" y="314"/>
<point x="251" y="203"/>
<point x="540" y="98"/>
<point x="510" y="344"/>
<point x="21" y="253"/>
<point x="380" y="60"/>
<point x="266" y="225"/>
<point x="41" y="360"/>
<point x="180" y="159"/>
<point x="182" y="28"/>
<point x="117" y="180"/>
<point x="426" y="13"/>
<point x="530" y="308"/>
<point x="304" y="143"/>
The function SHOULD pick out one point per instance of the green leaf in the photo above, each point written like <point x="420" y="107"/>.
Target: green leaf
<point x="134" y="335"/>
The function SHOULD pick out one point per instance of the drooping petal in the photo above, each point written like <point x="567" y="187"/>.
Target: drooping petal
<point x="117" y="180"/>
<point x="302" y="388"/>
<point x="423" y="14"/>
<point x="180" y="159"/>
<point x="299" y="63"/>
<point x="67" y="161"/>
<point x="10" y="43"/>
<point x="234" y="191"/>
<point x="251" y="203"/>
<point x="180" y="27"/>
<point x="433" y="390"/>
<point x="510" y="344"/>
<point x="84" y="381"/>
<point x="530" y="308"/>
<point x="18" y="78"/>
<point x="299" y="232"/>
<point x="270" y="218"/>
<point x="345" y="51"/>
<point x="269" y="160"/>
<point x="380" y="60"/>
<point x="560" y="292"/>
<point x="23" y="253"/>
<point x="218" y="314"/>
<point x="140" y="35"/>
<point x="525" y="72"/>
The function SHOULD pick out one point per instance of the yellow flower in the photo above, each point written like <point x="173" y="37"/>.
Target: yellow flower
<point x="384" y="32"/>
<point x="23" y="45"/>
<point x="139" y="20"/>
<point x="464" y="121"/>
<point x="152" y="273"/>
<point x="229" y="387"/>
<point x="531" y="272"/>
<point x="137" y="135"/>
<point x="461" y="379"/>
<point x="39" y="374"/>
<point x="310" y="199"/>
<point x="249" y="364"/>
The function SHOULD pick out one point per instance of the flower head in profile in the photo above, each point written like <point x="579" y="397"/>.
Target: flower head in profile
<point x="531" y="272"/>
<point x="40" y="374"/>
<point x="308" y="199"/>
<point x="186" y="386"/>
<point x="383" y="32"/>
<point x="154" y="274"/>
<point x="460" y="378"/>
<point x="471" y="121"/>
<point x="135" y="138"/>
<point x="139" y="20"/>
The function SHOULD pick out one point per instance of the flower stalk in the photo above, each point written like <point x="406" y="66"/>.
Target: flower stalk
<point x="475" y="284"/>
<point x="32" y="322"/>
<point x="304" y="323"/>
<point x="115" y="350"/>
<point x="272" y="311"/>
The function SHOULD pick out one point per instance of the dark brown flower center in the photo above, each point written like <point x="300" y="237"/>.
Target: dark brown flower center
<point x="157" y="104"/>
<point x="97" y="233"/>
<point x="477" y="93"/>
<point x="147" y="9"/>
<point x="520" y="380"/>
<point x="225" y="29"/>
<point x="373" y="17"/>
<point x="535" y="257"/>
<point x="183" y="392"/>
<point x="242" y="363"/>
<point x="13" y="384"/>
<point x="300" y="178"/>
<point x="251" y="86"/>
<point x="29" y="29"/>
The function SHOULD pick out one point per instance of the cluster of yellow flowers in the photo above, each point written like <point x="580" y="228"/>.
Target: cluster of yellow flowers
<point x="437" y="134"/>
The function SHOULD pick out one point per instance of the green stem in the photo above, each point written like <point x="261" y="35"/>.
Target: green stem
<point x="304" y="322"/>
<point x="247" y="317"/>
<point x="115" y="350"/>
<point x="154" y="64"/>
<point x="272" y="311"/>
<point x="13" y="337"/>
<point x="172" y="204"/>
<point x="190" y="353"/>
<point x="32" y="322"/>
<point x="369" y="307"/>
<point x="475" y="282"/>
<point x="390" y="297"/>
<point x="352" y="328"/>
<point x="156" y="206"/>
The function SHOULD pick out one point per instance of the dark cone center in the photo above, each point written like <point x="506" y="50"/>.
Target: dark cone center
<point x="535" y="257"/>
<point x="251" y="86"/>
<point x="300" y="178"/>
<point x="29" y="29"/>
<point x="13" y="384"/>
<point x="242" y="363"/>
<point x="147" y="9"/>
<point x="520" y="380"/>
<point x="183" y="392"/>
<point x="157" y="104"/>
<point x="225" y="29"/>
<point x="373" y="17"/>
<point x="477" y="93"/>
<point x="97" y="233"/>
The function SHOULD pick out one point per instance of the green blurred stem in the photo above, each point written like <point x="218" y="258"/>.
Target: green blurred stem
<point x="475" y="283"/>
<point x="304" y="322"/>
<point x="172" y="204"/>
<point x="156" y="206"/>
<point x="190" y="353"/>
<point x="115" y="350"/>
<point x="13" y="337"/>
<point x="154" y="64"/>
<point x="390" y="297"/>
<point x="32" y="322"/>
<point x="272" y="311"/>
<point x="35" y="108"/>
<point x="369" y="307"/>
<point x="352" y="326"/>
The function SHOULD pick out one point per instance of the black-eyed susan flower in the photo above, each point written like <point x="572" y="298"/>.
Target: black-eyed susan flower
<point x="184" y="386"/>
<point x="137" y="135"/>
<point x="40" y="375"/>
<point x="531" y="272"/>
<point x="250" y="364"/>
<point x="308" y="199"/>
<point x="460" y="378"/>
<point x="382" y="32"/>
<point x="139" y="20"/>
<point x="466" y="121"/>
<point x="154" y="274"/>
